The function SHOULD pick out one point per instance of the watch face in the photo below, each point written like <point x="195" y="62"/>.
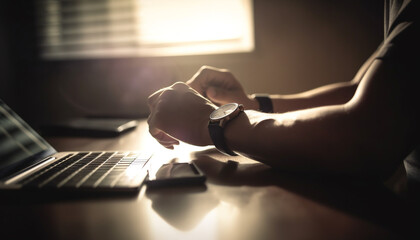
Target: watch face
<point x="223" y="111"/>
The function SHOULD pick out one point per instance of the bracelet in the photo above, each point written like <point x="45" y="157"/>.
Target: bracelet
<point x="264" y="100"/>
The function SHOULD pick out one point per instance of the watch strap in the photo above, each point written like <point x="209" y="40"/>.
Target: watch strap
<point x="218" y="137"/>
<point x="265" y="103"/>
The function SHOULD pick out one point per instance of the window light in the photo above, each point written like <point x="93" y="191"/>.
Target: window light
<point x="118" y="28"/>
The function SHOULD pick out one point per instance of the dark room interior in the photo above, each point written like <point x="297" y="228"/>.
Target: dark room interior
<point x="310" y="141"/>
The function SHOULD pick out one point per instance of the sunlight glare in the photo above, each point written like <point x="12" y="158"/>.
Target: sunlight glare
<point x="185" y="21"/>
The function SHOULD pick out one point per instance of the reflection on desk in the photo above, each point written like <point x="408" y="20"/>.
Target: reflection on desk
<point x="242" y="199"/>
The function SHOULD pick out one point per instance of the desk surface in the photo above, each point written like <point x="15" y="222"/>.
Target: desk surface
<point x="245" y="201"/>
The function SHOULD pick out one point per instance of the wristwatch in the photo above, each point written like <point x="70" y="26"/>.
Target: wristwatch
<point x="264" y="101"/>
<point x="218" y="120"/>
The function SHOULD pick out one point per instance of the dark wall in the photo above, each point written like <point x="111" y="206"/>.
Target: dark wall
<point x="300" y="44"/>
<point x="6" y="83"/>
<point x="18" y="54"/>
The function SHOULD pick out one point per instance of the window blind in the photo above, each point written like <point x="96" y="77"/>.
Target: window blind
<point x="118" y="28"/>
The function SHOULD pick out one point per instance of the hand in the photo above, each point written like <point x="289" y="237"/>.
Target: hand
<point x="179" y="113"/>
<point x="221" y="87"/>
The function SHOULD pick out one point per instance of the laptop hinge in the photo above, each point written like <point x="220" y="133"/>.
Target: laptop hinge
<point x="29" y="170"/>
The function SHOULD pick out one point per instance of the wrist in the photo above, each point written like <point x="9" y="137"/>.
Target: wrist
<point x="265" y="104"/>
<point x="237" y="132"/>
<point x="219" y="120"/>
<point x="252" y="103"/>
<point x="205" y="131"/>
<point x="206" y="135"/>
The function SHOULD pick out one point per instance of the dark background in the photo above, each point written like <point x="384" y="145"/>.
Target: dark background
<point x="300" y="44"/>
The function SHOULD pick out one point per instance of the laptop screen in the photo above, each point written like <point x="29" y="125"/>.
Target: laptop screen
<point x="19" y="143"/>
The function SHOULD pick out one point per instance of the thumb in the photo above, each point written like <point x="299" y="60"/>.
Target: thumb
<point x="218" y="95"/>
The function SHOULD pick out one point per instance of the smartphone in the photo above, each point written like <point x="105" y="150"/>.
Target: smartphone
<point x="177" y="174"/>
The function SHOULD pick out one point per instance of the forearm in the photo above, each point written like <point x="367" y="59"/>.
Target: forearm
<point x="333" y="94"/>
<point x="308" y="140"/>
<point x="328" y="139"/>
<point x="368" y="136"/>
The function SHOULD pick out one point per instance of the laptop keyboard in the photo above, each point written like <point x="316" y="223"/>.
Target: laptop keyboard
<point x="91" y="170"/>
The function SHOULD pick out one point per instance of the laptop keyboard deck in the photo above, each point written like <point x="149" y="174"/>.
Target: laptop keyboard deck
<point x="91" y="170"/>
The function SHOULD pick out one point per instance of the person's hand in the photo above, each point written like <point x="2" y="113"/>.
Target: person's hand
<point x="179" y="113"/>
<point x="221" y="87"/>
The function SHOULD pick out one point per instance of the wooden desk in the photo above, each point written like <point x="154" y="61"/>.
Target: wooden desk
<point x="244" y="201"/>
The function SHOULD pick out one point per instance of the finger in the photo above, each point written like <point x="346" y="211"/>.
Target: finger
<point x="180" y="86"/>
<point x="168" y="144"/>
<point x="199" y="81"/>
<point x="162" y="137"/>
<point x="167" y="140"/>
<point x="218" y="95"/>
<point x="167" y="93"/>
<point x="210" y="76"/>
<point x="152" y="99"/>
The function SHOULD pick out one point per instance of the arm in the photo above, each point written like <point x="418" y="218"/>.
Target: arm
<point x="337" y="93"/>
<point x="221" y="87"/>
<point x="332" y="94"/>
<point x="367" y="136"/>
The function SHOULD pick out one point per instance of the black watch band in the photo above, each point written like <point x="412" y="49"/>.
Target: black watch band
<point x="266" y="105"/>
<point x="218" y="137"/>
<point x="219" y="118"/>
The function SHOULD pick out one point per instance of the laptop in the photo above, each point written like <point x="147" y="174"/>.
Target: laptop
<point x="28" y="162"/>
